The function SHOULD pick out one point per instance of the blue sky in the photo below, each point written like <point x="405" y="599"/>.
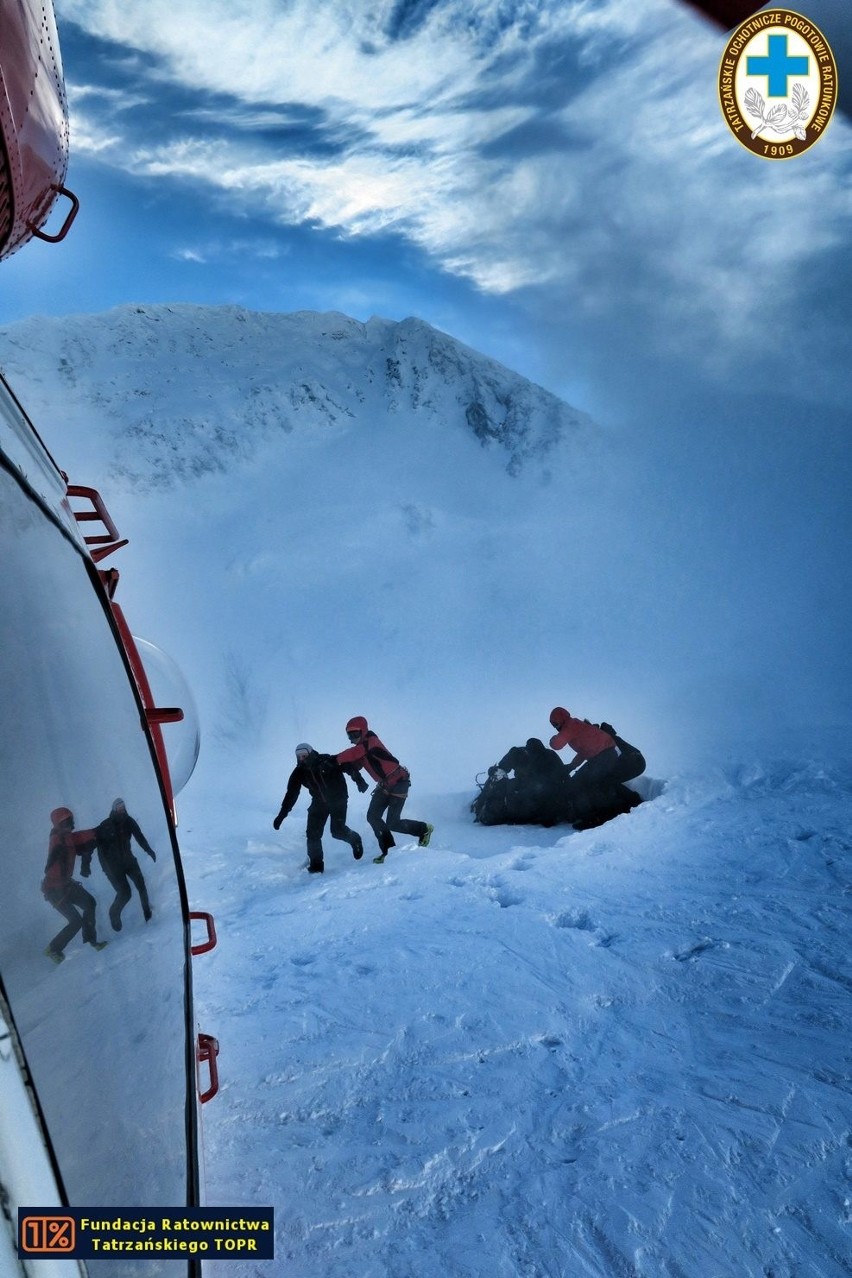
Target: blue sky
<point x="550" y="181"/>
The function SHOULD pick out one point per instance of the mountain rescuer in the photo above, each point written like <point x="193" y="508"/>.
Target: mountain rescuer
<point x="393" y="782"/>
<point x="118" y="862"/>
<point x="595" y="752"/>
<point x="322" y="776"/>
<point x="61" y="890"/>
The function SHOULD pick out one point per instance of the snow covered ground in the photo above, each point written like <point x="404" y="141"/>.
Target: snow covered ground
<point x="531" y="1052"/>
<point x="519" y="1053"/>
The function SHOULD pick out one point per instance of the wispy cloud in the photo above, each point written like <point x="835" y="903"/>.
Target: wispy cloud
<point x="562" y="144"/>
<point x="205" y="252"/>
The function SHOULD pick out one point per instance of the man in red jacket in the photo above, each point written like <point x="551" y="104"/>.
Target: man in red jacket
<point x="62" y="890"/>
<point x="595" y="752"/>
<point x="393" y="783"/>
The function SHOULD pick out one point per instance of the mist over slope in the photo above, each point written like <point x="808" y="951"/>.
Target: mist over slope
<point x="326" y="518"/>
<point x="329" y="517"/>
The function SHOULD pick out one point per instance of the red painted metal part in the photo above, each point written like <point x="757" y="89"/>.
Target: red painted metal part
<point x="154" y="715"/>
<point x="33" y="124"/>
<point x="97" y="514"/>
<point x="211" y="942"/>
<point x="100" y="545"/>
<point x="206" y="1053"/>
<point x="59" y="235"/>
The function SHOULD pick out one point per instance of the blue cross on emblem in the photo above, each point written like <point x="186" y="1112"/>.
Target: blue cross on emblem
<point x="777" y="66"/>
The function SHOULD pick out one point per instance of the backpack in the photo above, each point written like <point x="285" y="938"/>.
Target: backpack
<point x="324" y="767"/>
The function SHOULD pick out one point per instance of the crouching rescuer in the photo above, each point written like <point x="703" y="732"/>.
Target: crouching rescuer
<point x="595" y="752"/>
<point x="393" y="782"/>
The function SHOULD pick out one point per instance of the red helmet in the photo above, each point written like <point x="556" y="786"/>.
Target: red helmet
<point x="58" y="815"/>
<point x="356" y="728"/>
<point x="559" y="717"/>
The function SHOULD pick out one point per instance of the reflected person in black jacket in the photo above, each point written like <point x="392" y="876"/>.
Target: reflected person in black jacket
<point x="118" y="862"/>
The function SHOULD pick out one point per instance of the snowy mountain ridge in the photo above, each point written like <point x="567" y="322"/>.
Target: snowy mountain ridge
<point x="366" y="496"/>
<point x="189" y="390"/>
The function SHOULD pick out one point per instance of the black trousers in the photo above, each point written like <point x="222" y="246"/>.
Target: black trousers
<point x="76" y="905"/>
<point x="631" y="764"/>
<point x="385" y="814"/>
<point x="118" y="873"/>
<point x="318" y="813"/>
<point x="594" y="770"/>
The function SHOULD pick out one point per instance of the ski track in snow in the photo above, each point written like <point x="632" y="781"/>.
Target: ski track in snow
<point x="619" y="1052"/>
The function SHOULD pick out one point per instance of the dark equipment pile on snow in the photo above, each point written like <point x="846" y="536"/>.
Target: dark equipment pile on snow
<point x="542" y="792"/>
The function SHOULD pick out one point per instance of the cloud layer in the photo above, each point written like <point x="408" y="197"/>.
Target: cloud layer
<point x="573" y="148"/>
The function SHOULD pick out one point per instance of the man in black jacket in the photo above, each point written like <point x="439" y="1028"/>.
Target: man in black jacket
<point x="323" y="778"/>
<point x="118" y="862"/>
<point x="536" y="795"/>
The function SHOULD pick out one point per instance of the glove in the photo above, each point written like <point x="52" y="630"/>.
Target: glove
<point x="85" y="870"/>
<point x="276" y="824"/>
<point x="361" y="784"/>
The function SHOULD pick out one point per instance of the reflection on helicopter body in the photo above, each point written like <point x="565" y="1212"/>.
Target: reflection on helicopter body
<point x="107" y="1034"/>
<point x="118" y="862"/>
<point x="112" y="838"/>
<point x="59" y="887"/>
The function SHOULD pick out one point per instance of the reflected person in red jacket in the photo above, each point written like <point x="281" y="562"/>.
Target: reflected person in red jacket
<point x="62" y="890"/>
<point x="393" y="783"/>
<point x="595" y="752"/>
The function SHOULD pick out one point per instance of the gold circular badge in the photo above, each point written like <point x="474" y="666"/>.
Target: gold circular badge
<point x="777" y="83"/>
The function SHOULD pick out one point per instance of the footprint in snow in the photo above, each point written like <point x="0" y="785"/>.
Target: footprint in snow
<point x="700" y="947"/>
<point x="578" y="919"/>
<point x="608" y="940"/>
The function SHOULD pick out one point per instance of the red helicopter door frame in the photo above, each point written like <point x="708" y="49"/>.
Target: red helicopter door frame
<point x="33" y="125"/>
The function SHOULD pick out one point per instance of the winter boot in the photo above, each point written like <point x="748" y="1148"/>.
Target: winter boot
<point x="423" y="841"/>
